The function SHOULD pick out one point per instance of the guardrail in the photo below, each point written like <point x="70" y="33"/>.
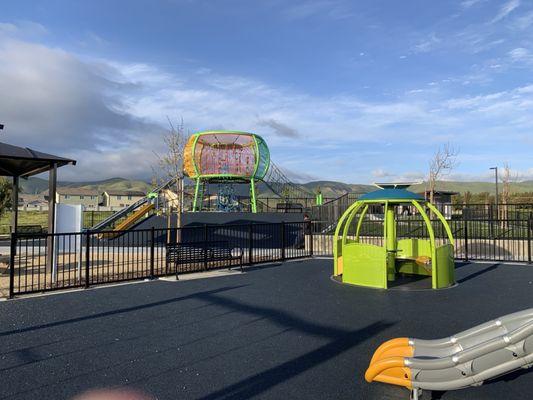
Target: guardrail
<point x="91" y="258"/>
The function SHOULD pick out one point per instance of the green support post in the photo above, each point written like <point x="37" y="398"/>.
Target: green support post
<point x="391" y="244"/>
<point x="252" y="196"/>
<point x="196" y="191"/>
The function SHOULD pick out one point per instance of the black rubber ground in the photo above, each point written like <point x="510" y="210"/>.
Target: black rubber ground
<point x="276" y="332"/>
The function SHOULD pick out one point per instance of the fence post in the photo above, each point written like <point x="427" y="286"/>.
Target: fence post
<point x="466" y="237"/>
<point x="152" y="252"/>
<point x="205" y="247"/>
<point x="250" y="244"/>
<point x="282" y="225"/>
<point x="87" y="257"/>
<point x="311" y="245"/>
<point x="529" y="240"/>
<point x="12" y="252"/>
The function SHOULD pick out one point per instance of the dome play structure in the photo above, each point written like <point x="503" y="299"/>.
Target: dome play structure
<point x="378" y="262"/>
<point x="234" y="157"/>
<point x="225" y="156"/>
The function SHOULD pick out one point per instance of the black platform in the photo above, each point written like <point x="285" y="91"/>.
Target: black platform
<point x="284" y="331"/>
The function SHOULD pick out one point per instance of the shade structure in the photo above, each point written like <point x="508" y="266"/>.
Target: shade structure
<point x="361" y="261"/>
<point x="227" y="157"/>
<point x="24" y="162"/>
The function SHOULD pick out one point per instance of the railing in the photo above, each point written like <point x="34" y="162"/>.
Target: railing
<point x="91" y="258"/>
<point x="481" y="239"/>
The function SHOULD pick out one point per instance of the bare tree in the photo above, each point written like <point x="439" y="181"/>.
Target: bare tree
<point x="507" y="178"/>
<point x="443" y="162"/>
<point x="170" y="165"/>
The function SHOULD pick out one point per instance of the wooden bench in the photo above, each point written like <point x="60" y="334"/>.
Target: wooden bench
<point x="195" y="252"/>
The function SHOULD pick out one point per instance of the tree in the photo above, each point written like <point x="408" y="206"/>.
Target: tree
<point x="443" y="162"/>
<point x="170" y="164"/>
<point x="5" y="195"/>
<point x="507" y="177"/>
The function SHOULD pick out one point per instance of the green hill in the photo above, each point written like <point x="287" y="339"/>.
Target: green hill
<point x="328" y="188"/>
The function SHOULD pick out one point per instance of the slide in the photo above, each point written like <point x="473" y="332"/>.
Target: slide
<point x="466" y="359"/>
<point x="130" y="220"/>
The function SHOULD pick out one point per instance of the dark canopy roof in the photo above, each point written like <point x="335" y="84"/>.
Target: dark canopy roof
<point x="24" y="162"/>
<point x="391" y="194"/>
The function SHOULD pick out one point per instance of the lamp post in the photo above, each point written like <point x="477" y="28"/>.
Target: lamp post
<point x="496" y="182"/>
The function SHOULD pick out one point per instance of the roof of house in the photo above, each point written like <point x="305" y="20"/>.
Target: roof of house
<point x="136" y="193"/>
<point x="440" y="193"/>
<point x="24" y="162"/>
<point x="77" y="191"/>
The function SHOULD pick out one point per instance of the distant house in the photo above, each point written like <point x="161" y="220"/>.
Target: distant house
<point x="32" y="202"/>
<point x="121" y="198"/>
<point x="88" y="198"/>
<point x="442" y="200"/>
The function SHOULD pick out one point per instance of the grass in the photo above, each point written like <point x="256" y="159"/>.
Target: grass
<point x="37" y="220"/>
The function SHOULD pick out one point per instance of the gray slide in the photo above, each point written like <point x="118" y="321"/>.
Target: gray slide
<point x="468" y="358"/>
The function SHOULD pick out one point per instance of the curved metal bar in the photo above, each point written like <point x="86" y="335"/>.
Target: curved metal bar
<point x="443" y="221"/>
<point x="352" y="215"/>
<point x="340" y="224"/>
<point x="431" y="243"/>
<point x="360" y="222"/>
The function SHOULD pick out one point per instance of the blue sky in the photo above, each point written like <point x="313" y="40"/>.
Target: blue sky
<point x="341" y="90"/>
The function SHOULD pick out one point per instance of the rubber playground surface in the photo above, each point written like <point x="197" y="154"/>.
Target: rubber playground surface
<point x="281" y="331"/>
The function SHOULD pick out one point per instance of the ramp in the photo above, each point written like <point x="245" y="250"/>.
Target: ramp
<point x="130" y="220"/>
<point x="468" y="358"/>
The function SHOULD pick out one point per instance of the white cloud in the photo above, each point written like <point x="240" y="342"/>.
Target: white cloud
<point x="110" y="115"/>
<point x="333" y="9"/>
<point x="427" y="44"/>
<point x="471" y="3"/>
<point x="506" y="9"/>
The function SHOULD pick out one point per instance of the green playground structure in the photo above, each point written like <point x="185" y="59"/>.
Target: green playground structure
<point x="358" y="262"/>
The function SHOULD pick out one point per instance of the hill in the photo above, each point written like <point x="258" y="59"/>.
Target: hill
<point x="39" y="185"/>
<point x="328" y="188"/>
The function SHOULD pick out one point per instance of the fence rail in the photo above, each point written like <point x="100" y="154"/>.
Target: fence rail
<point x="480" y="239"/>
<point x="91" y="258"/>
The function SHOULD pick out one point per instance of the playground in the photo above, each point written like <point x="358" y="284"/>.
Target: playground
<point x="276" y="331"/>
<point x="234" y="304"/>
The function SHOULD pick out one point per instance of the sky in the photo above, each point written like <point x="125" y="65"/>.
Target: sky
<point x="352" y="91"/>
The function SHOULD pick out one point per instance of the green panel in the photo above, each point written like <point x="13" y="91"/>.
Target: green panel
<point x="445" y="266"/>
<point x="365" y="265"/>
<point x="412" y="248"/>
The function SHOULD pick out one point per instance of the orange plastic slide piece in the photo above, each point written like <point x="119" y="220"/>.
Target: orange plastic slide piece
<point x="387" y="364"/>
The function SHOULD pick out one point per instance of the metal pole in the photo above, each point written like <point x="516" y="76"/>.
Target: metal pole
<point x="250" y="243"/>
<point x="466" y="237"/>
<point x="15" y="204"/>
<point x="12" y="264"/>
<point x="52" y="188"/>
<point x="529" y="240"/>
<point x="87" y="257"/>
<point x="205" y="246"/>
<point x="282" y="225"/>
<point x="152" y="251"/>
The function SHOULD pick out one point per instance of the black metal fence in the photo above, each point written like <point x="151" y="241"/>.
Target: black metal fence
<point x="90" y="258"/>
<point x="508" y="240"/>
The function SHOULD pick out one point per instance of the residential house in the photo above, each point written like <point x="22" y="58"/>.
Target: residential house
<point x="121" y="198"/>
<point x="88" y="198"/>
<point x="32" y="202"/>
<point x="442" y="199"/>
